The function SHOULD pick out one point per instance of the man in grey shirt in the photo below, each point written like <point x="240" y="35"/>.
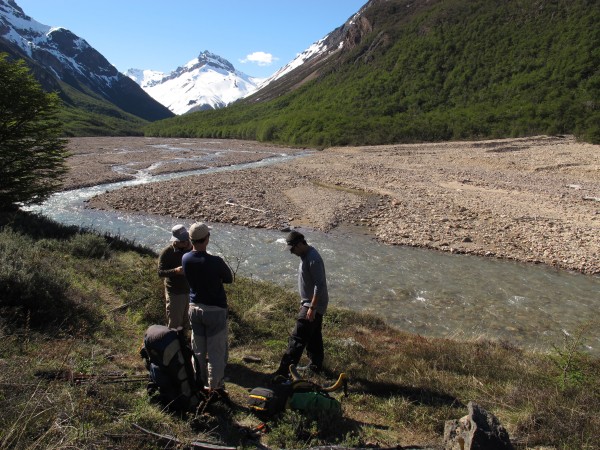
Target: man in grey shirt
<point x="312" y="286"/>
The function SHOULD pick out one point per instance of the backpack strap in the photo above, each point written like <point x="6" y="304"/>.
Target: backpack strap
<point x="300" y="384"/>
<point x="304" y="386"/>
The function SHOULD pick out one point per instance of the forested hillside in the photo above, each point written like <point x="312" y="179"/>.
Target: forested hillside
<point x="433" y="70"/>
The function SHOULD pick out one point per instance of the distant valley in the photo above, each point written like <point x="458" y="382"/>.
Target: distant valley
<point x="396" y="71"/>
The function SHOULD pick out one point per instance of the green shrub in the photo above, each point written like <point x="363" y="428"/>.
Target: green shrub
<point x="86" y="245"/>
<point x="34" y="288"/>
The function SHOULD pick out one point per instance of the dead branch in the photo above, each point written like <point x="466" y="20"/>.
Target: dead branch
<point x="168" y="440"/>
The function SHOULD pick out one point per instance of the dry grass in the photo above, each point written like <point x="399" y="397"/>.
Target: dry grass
<point x="402" y="387"/>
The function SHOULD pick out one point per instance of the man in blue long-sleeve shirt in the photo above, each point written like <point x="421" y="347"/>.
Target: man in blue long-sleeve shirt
<point x="206" y="274"/>
<point x="314" y="298"/>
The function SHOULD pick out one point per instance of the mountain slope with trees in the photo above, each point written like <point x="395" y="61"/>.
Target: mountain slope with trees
<point x="424" y="71"/>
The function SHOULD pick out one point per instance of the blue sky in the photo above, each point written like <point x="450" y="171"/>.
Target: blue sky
<point x="257" y="37"/>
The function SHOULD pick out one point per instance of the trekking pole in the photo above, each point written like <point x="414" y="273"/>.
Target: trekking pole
<point x="127" y="379"/>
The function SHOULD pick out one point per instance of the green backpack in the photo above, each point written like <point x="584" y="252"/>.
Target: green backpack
<point x="314" y="402"/>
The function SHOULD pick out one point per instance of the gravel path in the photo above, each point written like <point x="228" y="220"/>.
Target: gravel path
<point x="531" y="199"/>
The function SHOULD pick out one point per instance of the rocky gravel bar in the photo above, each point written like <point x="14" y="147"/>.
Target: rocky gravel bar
<point x="530" y="199"/>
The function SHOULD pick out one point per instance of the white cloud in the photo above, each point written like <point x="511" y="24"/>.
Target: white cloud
<point x="260" y="58"/>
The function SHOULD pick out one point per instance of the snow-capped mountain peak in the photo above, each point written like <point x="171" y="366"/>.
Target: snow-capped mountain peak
<point x="60" y="56"/>
<point x="145" y="77"/>
<point x="65" y="53"/>
<point x="21" y="29"/>
<point x="206" y="82"/>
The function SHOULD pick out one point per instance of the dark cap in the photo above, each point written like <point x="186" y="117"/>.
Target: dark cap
<point x="179" y="233"/>
<point x="293" y="238"/>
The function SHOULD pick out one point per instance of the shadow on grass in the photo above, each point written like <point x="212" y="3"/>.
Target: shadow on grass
<point x="37" y="287"/>
<point x="246" y="377"/>
<point x="422" y="396"/>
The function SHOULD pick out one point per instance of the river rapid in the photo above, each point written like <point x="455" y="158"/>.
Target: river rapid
<point x="416" y="290"/>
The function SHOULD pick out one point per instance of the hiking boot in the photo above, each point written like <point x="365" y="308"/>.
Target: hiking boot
<point x="219" y="394"/>
<point x="279" y="377"/>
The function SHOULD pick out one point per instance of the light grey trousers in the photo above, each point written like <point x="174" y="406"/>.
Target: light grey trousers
<point x="209" y="342"/>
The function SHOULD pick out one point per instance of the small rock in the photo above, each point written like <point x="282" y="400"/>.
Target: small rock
<point x="251" y="359"/>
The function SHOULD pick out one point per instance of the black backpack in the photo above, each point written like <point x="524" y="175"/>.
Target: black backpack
<point x="268" y="402"/>
<point x="170" y="364"/>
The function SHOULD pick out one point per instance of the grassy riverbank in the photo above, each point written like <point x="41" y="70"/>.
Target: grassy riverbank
<point x="75" y="301"/>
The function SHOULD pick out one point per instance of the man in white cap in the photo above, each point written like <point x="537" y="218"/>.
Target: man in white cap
<point x="177" y="290"/>
<point x="206" y="274"/>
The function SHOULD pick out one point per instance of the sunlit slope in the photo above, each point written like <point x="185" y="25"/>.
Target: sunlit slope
<point x="437" y="70"/>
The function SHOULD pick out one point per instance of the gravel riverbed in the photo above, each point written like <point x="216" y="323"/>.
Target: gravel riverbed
<point x="530" y="199"/>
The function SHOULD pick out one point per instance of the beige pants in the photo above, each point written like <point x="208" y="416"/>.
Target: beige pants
<point x="177" y="310"/>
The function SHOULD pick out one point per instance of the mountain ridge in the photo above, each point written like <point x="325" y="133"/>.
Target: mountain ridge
<point x="433" y="70"/>
<point x="206" y="82"/>
<point x="83" y="78"/>
<point x="346" y="36"/>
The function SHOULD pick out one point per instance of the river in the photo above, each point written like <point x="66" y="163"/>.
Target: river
<point x="416" y="290"/>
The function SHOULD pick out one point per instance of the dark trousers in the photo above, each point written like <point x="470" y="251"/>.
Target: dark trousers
<point x="307" y="335"/>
